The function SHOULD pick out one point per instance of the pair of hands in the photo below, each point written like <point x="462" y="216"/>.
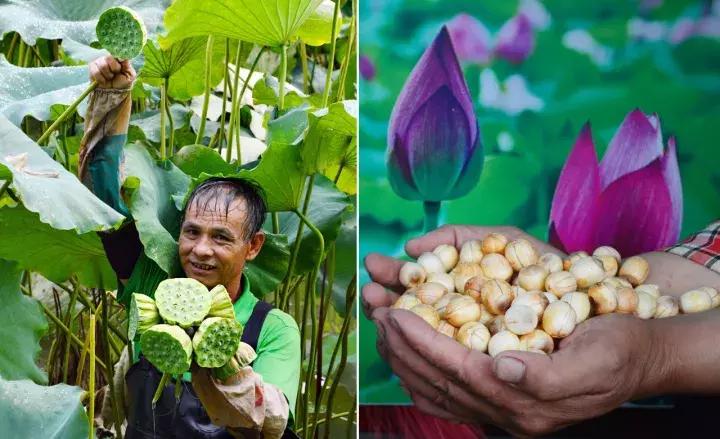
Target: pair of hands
<point x="602" y="364"/>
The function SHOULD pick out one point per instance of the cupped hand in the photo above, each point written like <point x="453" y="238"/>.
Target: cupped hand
<point x="109" y="72"/>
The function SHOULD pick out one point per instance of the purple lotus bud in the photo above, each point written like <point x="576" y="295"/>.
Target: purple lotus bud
<point x="632" y="200"/>
<point x="470" y="38"/>
<point x="434" y="150"/>
<point x="515" y="40"/>
<point x="367" y="68"/>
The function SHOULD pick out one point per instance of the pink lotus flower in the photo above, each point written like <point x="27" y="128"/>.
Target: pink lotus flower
<point x="470" y="38"/>
<point x="515" y="39"/>
<point x="632" y="200"/>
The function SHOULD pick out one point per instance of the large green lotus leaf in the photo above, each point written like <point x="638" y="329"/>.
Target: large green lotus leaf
<point x="56" y="254"/>
<point x="76" y="19"/>
<point x="23" y="326"/>
<point x="264" y="22"/>
<point x="345" y="262"/>
<point x="149" y="122"/>
<point x="31" y="91"/>
<point x="330" y="133"/>
<point x="196" y="159"/>
<point x="152" y="204"/>
<point x="45" y="187"/>
<point x="345" y="172"/>
<point x="29" y="410"/>
<point x="326" y="211"/>
<point x="317" y="28"/>
<point x="268" y="269"/>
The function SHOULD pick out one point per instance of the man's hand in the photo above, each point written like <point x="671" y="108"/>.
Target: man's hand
<point x="108" y="72"/>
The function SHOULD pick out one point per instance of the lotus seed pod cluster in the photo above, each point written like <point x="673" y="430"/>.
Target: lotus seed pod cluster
<point x="496" y="294"/>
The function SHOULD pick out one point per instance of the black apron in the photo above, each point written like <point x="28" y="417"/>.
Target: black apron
<point x="183" y="418"/>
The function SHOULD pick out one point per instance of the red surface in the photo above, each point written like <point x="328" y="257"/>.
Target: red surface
<point x="409" y="422"/>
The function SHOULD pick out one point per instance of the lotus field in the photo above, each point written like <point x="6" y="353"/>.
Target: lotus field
<point x="263" y="93"/>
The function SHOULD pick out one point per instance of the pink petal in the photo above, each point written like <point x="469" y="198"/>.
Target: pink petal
<point x="574" y="206"/>
<point x="515" y="39"/>
<point x="471" y="39"/>
<point x="636" y="143"/>
<point x="671" y="172"/>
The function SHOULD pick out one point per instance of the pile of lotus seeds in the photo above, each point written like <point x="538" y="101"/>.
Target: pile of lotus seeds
<point x="496" y="295"/>
<point x="184" y="308"/>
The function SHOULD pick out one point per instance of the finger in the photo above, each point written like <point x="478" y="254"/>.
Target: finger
<point x="104" y="69"/>
<point x="113" y="64"/>
<point x="384" y="270"/>
<point x="95" y="74"/>
<point x="376" y="296"/>
<point x="428" y="242"/>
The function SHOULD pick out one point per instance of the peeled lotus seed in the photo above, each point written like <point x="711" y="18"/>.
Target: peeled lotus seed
<point x="448" y="254"/>
<point x="521" y="253"/>
<point x="462" y="272"/>
<point x="560" y="282"/>
<point x="495" y="266"/>
<point x="503" y="341"/>
<point x="559" y="319"/>
<point x="580" y="303"/>
<point x="635" y="269"/>
<point x="667" y="306"/>
<point x="646" y="306"/>
<point x="427" y="313"/>
<point x="603" y="297"/>
<point x="497" y="296"/>
<point x="520" y="319"/>
<point x="627" y="300"/>
<point x="473" y="335"/>
<point x="533" y="277"/>
<point x="714" y="296"/>
<point x="430" y="293"/>
<point x="494" y="243"/>
<point x="695" y="301"/>
<point x="444" y="279"/>
<point x="462" y="310"/>
<point x="537" y="341"/>
<point x="536" y="300"/>
<point x="431" y="263"/>
<point x="470" y="252"/>
<point x="412" y="274"/>
<point x="551" y="262"/>
<point x="572" y="258"/>
<point x="587" y="271"/>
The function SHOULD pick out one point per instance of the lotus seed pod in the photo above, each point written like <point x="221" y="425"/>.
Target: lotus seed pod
<point x="473" y="287"/>
<point x="533" y="277"/>
<point x="495" y="266"/>
<point x="603" y="298"/>
<point x="443" y="279"/>
<point x="587" y="271"/>
<point x="635" y="269"/>
<point x="537" y="341"/>
<point x="559" y="319"/>
<point x="471" y="252"/>
<point x="667" y="306"/>
<point x="580" y="303"/>
<point x="216" y="341"/>
<point x="494" y="243"/>
<point x="497" y="296"/>
<point x="627" y="300"/>
<point x="520" y="253"/>
<point x="572" y="258"/>
<point x="244" y="356"/>
<point x="485" y="315"/>
<point x="552" y="262"/>
<point x="650" y="289"/>
<point x="609" y="264"/>
<point x="431" y="263"/>
<point x="462" y="310"/>
<point x="406" y="301"/>
<point x="536" y="300"/>
<point x="221" y="305"/>
<point x="462" y="272"/>
<point x="412" y="274"/>
<point x="618" y="282"/>
<point x="521" y="319"/>
<point x="695" y="301"/>
<point x="497" y="324"/>
<point x="446" y="328"/>
<point x="441" y="305"/>
<point x="121" y="31"/>
<point x="550" y="297"/>
<point x="713" y="293"/>
<point x="168" y="348"/>
<point x="503" y="341"/>
<point x="448" y="254"/>
<point x="142" y="315"/>
<point x="606" y="250"/>
<point x="430" y="293"/>
<point x="427" y="313"/>
<point x="473" y="335"/>
<point x="560" y="282"/>
<point x="182" y="301"/>
<point x="646" y="307"/>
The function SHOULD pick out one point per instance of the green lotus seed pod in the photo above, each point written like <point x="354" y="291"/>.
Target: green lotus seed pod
<point x="168" y="348"/>
<point x="244" y="355"/>
<point x="121" y="32"/>
<point x="221" y="305"/>
<point x="182" y="301"/>
<point x="142" y="315"/>
<point x="216" y="341"/>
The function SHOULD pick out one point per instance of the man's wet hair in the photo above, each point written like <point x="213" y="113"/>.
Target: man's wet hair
<point x="223" y="191"/>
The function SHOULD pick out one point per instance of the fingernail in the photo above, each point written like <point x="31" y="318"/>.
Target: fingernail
<point x="393" y="321"/>
<point x="509" y="369"/>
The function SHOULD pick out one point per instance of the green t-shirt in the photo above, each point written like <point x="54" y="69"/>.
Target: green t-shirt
<point x="278" y="349"/>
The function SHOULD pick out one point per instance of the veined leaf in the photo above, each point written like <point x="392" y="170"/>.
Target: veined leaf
<point x="268" y="269"/>
<point x="330" y="133"/>
<point x="317" y="28"/>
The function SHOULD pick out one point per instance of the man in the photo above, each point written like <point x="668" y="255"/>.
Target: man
<point x="220" y="231"/>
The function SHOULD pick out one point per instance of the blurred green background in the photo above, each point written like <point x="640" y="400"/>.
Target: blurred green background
<point x="636" y="57"/>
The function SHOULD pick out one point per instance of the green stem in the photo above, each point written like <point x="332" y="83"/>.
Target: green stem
<point x="11" y="49"/>
<point x="236" y="105"/>
<point x="82" y="297"/>
<point x="108" y="364"/>
<point x="4" y="187"/>
<point x="65" y="329"/>
<point x="225" y="95"/>
<point x="282" y="78"/>
<point x="233" y="115"/>
<point x="346" y="60"/>
<point x="432" y="213"/>
<point x="65" y="114"/>
<point x="310" y="375"/>
<point x="206" y="101"/>
<point x="275" y="222"/>
<point x="298" y="240"/>
<point x="159" y="390"/>
<point x="68" y="321"/>
<point x="303" y="329"/>
<point x="349" y="432"/>
<point x="170" y="118"/>
<point x="334" y="416"/>
<point x="331" y="60"/>
<point x="163" y="105"/>
<point x="91" y="385"/>
<point x="38" y="56"/>
<point x="305" y="71"/>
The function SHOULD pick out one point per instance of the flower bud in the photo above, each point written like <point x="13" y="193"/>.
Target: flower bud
<point x="587" y="271"/>
<point x="431" y="263"/>
<point x="443" y="279"/>
<point x="446" y="328"/>
<point x="406" y="301"/>
<point x="646" y="307"/>
<point x="430" y="293"/>
<point x="559" y="319"/>
<point x="532" y="277"/>
<point x="462" y="310"/>
<point x="471" y="252"/>
<point x="635" y="269"/>
<point x="537" y="341"/>
<point x="560" y="282"/>
<point x="520" y="319"/>
<point x="462" y="272"/>
<point x="667" y="306"/>
<point x="503" y="341"/>
<point x="627" y="300"/>
<point x="603" y="298"/>
<point x="427" y="313"/>
<point x="650" y="289"/>
<point x="473" y="335"/>
<point x="695" y="301"/>
<point x="552" y="262"/>
<point x="412" y="274"/>
<point x="580" y="303"/>
<point x="497" y="296"/>
<point x="494" y="243"/>
<point x="448" y="254"/>
<point x="521" y="253"/>
<point x="495" y="266"/>
<point x="536" y="300"/>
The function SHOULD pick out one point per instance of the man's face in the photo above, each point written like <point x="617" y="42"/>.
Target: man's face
<point x="212" y="246"/>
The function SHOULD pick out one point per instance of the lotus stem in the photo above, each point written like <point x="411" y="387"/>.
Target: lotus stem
<point x="159" y="390"/>
<point x="13" y="42"/>
<point x="282" y="78"/>
<point x="346" y="60"/>
<point x="68" y="321"/>
<point x="206" y="100"/>
<point x="170" y="118"/>
<point x="239" y="100"/>
<point x="298" y="239"/>
<point x="69" y="110"/>
<point x="349" y="432"/>
<point x="233" y="115"/>
<point x="4" y="187"/>
<point x="305" y="70"/>
<point x="91" y="385"/>
<point x="221" y="135"/>
<point x="163" y="105"/>
<point x="65" y="329"/>
<point x="108" y="365"/>
<point x="331" y="60"/>
<point x="432" y="213"/>
<point x="334" y="416"/>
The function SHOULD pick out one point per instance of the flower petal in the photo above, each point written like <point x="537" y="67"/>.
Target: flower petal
<point x="470" y="38"/>
<point x="574" y="206"/>
<point x="671" y="174"/>
<point x="636" y="143"/>
<point x="367" y="68"/>
<point x="515" y="40"/>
